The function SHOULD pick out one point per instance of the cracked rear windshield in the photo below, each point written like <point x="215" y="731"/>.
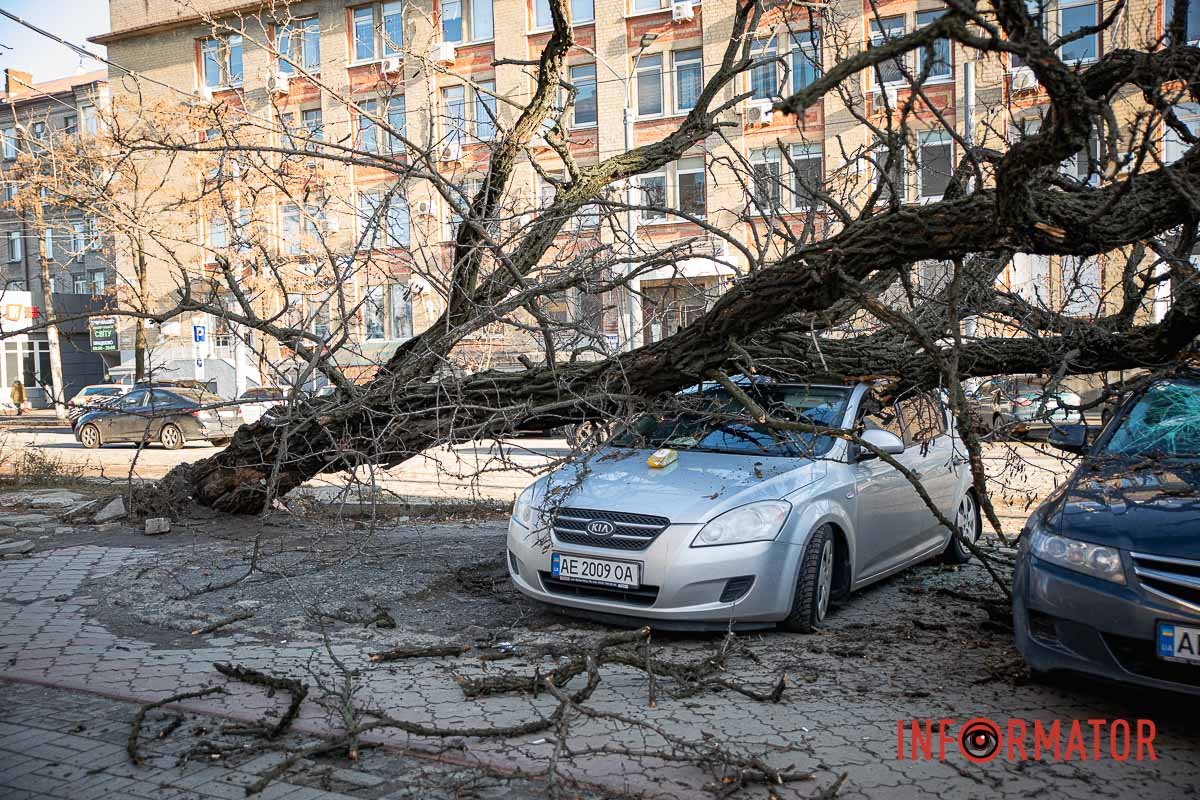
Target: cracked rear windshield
<point x="1165" y="421"/>
<point x="706" y="426"/>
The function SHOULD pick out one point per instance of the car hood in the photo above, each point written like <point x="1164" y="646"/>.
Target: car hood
<point x="696" y="488"/>
<point x="1148" y="507"/>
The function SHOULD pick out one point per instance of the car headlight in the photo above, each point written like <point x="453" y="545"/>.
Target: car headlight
<point x="1090" y="559"/>
<point x="756" y="522"/>
<point x="522" y="510"/>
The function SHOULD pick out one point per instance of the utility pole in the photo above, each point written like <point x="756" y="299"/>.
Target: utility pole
<point x="139" y="336"/>
<point x="56" y="374"/>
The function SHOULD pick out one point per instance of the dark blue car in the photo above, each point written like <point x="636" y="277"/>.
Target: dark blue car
<point x="1108" y="570"/>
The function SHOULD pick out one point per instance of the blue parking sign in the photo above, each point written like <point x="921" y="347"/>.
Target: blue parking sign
<point x="198" y="333"/>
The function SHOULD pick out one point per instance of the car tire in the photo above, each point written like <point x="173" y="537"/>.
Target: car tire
<point x="89" y="437"/>
<point x="969" y="521"/>
<point x="171" y="437"/>
<point x="814" y="584"/>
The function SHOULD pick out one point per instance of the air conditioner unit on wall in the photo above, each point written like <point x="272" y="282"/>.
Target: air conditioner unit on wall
<point x="205" y="93"/>
<point x="391" y="65"/>
<point x="682" y="11"/>
<point x="423" y="208"/>
<point x="451" y="150"/>
<point x="443" y="53"/>
<point x="759" y="112"/>
<point x="278" y="83"/>
<point x="1023" y="79"/>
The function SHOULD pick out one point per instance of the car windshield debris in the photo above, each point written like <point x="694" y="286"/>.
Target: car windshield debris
<point x="1165" y="422"/>
<point x="707" y="425"/>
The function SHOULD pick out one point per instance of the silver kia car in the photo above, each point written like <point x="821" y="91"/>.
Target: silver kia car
<point x="699" y="518"/>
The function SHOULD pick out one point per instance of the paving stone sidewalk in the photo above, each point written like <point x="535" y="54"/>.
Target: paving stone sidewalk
<point x="840" y="712"/>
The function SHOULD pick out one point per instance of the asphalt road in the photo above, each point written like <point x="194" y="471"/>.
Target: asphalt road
<point x="1019" y="473"/>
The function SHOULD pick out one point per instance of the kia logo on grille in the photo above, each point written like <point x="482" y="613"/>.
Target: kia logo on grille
<point x="600" y="527"/>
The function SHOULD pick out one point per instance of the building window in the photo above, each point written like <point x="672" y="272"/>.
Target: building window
<point x="221" y="61"/>
<point x="300" y="43"/>
<point x="368" y="131"/>
<point x="1173" y="145"/>
<point x="689" y="186"/>
<point x="581" y="11"/>
<point x="1037" y="12"/>
<point x="649" y="5"/>
<point x="37" y="138"/>
<point x="938" y="53"/>
<point x="88" y="113"/>
<point x="806" y="59"/>
<point x="653" y="187"/>
<point x="764" y="75"/>
<point x="584" y="114"/>
<point x="1080" y="285"/>
<point x="299" y="229"/>
<point x="689" y="78"/>
<point x="765" y="173"/>
<point x="310" y="131"/>
<point x="387" y="312"/>
<point x="98" y="279"/>
<point x="218" y="232"/>
<point x="383" y="220"/>
<point x="807" y="174"/>
<point x="14" y="246"/>
<point x="485" y="110"/>
<point x="48" y="242"/>
<point x="378" y="30"/>
<point x="936" y="158"/>
<point x="1073" y="17"/>
<point x="396" y="117"/>
<point x="889" y="174"/>
<point x="650" y="86"/>
<point x="79" y="284"/>
<point x="466" y="20"/>
<point x="1079" y="166"/>
<point x="884" y="30"/>
<point x="10" y="143"/>
<point x="10" y="191"/>
<point x="1191" y="20"/>
<point x="79" y="238"/>
<point x="70" y="125"/>
<point x="454" y="116"/>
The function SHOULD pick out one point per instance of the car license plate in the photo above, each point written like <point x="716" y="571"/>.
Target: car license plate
<point x="603" y="571"/>
<point x="1178" y="642"/>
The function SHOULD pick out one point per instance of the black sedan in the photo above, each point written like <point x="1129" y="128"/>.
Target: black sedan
<point x="1108" y="570"/>
<point x="171" y="417"/>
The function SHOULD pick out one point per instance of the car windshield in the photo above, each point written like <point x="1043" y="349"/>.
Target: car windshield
<point x="1164" y="422"/>
<point x="708" y="427"/>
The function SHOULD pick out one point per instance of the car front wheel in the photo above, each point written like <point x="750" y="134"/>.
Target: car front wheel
<point x="814" y="584"/>
<point x="967" y="520"/>
<point x="89" y="436"/>
<point x="171" y="437"/>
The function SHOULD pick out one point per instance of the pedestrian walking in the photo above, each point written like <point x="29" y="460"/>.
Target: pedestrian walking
<point x="18" y="396"/>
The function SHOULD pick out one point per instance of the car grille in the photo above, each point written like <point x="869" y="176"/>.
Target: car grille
<point x="630" y="531"/>
<point x="642" y="596"/>
<point x="1139" y="657"/>
<point x="1176" y="579"/>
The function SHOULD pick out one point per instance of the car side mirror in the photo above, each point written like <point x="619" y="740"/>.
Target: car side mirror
<point x="1071" y="438"/>
<point x="886" y="441"/>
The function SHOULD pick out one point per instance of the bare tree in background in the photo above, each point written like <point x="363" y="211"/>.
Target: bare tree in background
<point x="848" y="271"/>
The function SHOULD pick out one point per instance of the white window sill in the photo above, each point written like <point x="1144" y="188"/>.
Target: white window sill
<point x="658" y="117"/>
<point x="578" y="24"/>
<point x="372" y="61"/>
<point x="591" y="126"/>
<point x="650" y="12"/>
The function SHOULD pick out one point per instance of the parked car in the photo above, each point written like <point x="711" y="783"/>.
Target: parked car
<point x="89" y="395"/>
<point x="1022" y="405"/>
<point x="1107" y="578"/>
<point x="740" y="524"/>
<point x="259" y="401"/>
<point x="171" y="417"/>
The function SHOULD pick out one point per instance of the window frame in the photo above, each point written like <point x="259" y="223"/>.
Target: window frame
<point x="645" y="65"/>
<point x="1095" y="38"/>
<point x="881" y="32"/>
<point x="806" y="151"/>
<point x="691" y="57"/>
<point x="536" y="7"/>
<point x="761" y="48"/>
<point x="595" y="98"/>
<point x="385" y="220"/>
<point x="309" y="31"/>
<point x="222" y="49"/>
<point x="381" y="11"/>
<point x="16" y="247"/>
<point x="766" y="156"/>
<point x="931" y="16"/>
<point x="679" y="171"/>
<point x="1189" y="115"/>
<point x="934" y="138"/>
<point x="800" y="62"/>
